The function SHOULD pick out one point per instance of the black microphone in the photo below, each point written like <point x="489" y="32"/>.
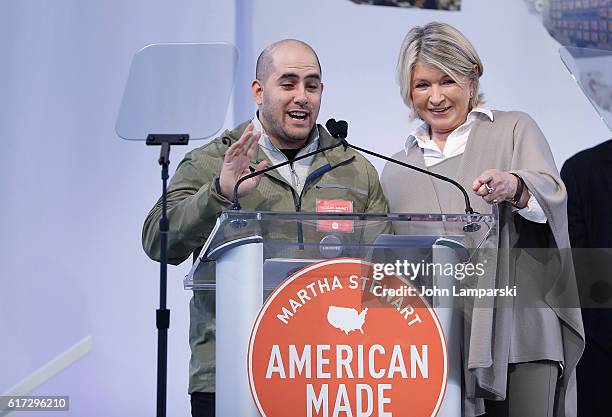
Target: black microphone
<point x="236" y="203"/>
<point x="339" y="129"/>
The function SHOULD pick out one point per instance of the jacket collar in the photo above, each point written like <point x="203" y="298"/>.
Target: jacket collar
<point x="421" y="134"/>
<point x="333" y="157"/>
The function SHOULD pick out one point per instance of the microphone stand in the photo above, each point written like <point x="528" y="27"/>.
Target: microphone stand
<point x="339" y="130"/>
<point x="468" y="207"/>
<point x="162" y="316"/>
<point x="469" y="227"/>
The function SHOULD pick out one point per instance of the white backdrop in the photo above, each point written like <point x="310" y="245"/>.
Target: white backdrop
<point x="358" y="48"/>
<point x="75" y="196"/>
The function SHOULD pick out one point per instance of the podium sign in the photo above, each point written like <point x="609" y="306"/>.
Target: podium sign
<point x="330" y="346"/>
<point x="360" y="321"/>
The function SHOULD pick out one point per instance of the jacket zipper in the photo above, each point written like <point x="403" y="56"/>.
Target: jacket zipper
<point x="298" y="202"/>
<point x="295" y="179"/>
<point x="297" y="199"/>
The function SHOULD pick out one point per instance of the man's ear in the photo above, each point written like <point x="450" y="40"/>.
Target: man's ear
<point x="322" y="88"/>
<point x="257" y="91"/>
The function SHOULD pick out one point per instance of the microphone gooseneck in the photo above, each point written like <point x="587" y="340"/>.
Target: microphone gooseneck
<point x="340" y="128"/>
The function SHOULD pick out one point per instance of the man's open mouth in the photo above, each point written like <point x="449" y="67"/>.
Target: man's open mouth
<point x="298" y="115"/>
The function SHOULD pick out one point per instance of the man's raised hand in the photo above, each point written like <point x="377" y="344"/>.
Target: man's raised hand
<point x="236" y="165"/>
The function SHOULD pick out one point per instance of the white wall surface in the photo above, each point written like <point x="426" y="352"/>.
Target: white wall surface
<point x="75" y="197"/>
<point x="358" y="48"/>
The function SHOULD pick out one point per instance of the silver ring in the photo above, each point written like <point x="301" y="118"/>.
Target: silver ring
<point x="495" y="200"/>
<point x="491" y="190"/>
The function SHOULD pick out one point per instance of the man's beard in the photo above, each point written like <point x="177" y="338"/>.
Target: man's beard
<point x="274" y="129"/>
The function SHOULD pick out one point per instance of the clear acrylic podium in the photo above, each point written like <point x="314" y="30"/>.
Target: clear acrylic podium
<point x="248" y="254"/>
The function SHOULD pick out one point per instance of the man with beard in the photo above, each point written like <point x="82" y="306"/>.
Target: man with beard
<point x="287" y="91"/>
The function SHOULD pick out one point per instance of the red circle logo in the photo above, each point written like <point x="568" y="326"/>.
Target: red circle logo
<point x="326" y="343"/>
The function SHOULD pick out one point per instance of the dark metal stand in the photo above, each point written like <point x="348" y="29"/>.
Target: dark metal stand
<point x="162" y="317"/>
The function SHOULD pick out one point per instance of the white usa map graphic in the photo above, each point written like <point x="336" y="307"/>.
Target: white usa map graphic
<point x="346" y="319"/>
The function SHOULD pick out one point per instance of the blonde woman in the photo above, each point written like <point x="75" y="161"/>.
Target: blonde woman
<point x="524" y="362"/>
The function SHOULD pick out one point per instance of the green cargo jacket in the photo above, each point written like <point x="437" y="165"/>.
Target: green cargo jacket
<point x="193" y="206"/>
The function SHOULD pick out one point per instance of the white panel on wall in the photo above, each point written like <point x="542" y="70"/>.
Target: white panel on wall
<point x="75" y="198"/>
<point x="358" y="48"/>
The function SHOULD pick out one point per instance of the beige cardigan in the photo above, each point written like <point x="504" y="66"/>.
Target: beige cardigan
<point x="511" y="142"/>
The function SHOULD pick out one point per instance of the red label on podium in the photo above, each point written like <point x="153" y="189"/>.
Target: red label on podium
<point x="326" y="343"/>
<point x="335" y="206"/>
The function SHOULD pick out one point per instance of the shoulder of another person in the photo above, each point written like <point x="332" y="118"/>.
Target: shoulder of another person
<point x="590" y="158"/>
<point x="509" y="117"/>
<point x="391" y="167"/>
<point x="520" y="125"/>
<point x="602" y="151"/>
<point x="399" y="156"/>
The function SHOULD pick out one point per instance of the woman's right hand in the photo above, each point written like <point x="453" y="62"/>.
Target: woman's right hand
<point x="496" y="186"/>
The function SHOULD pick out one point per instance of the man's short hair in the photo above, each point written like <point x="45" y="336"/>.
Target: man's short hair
<point x="265" y="61"/>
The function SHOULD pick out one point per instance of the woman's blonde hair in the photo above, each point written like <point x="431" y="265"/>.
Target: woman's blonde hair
<point x="445" y="48"/>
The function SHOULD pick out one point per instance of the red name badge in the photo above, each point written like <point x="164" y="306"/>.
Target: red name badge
<point x="335" y="206"/>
